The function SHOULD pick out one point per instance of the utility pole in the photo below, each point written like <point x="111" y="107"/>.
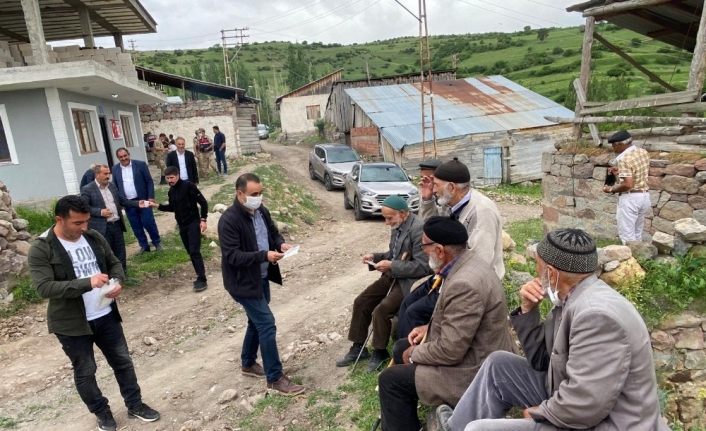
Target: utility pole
<point x="428" y="122"/>
<point x="132" y="44"/>
<point x="454" y="61"/>
<point x="367" y="70"/>
<point x="226" y="36"/>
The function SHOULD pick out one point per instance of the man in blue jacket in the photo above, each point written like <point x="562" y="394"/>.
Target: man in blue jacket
<point x="134" y="181"/>
<point x="251" y="245"/>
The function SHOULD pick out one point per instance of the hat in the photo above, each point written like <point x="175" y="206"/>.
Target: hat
<point x="396" y="203"/>
<point x="445" y="231"/>
<point x="569" y="250"/>
<point x="453" y="171"/>
<point x="429" y="164"/>
<point x="620" y="136"/>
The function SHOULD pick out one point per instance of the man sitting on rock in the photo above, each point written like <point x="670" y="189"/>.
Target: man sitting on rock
<point x="588" y="366"/>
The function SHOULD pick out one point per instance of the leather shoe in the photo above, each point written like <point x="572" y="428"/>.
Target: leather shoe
<point x="255" y="370"/>
<point x="378" y="360"/>
<point x="284" y="386"/>
<point x="350" y="357"/>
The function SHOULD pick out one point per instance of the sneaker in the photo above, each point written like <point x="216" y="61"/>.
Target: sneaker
<point x="255" y="370"/>
<point x="286" y="387"/>
<point x="443" y="414"/>
<point x="378" y="360"/>
<point x="158" y="247"/>
<point x="105" y="420"/>
<point x="200" y="285"/>
<point x="144" y="413"/>
<point x="352" y="355"/>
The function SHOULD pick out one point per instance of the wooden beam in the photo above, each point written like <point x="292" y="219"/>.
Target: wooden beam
<point x="581" y="99"/>
<point x="18" y="37"/>
<point x="686" y="107"/>
<point x="651" y="131"/>
<point x="698" y="62"/>
<point x="682" y="121"/>
<point x="692" y="139"/>
<point x="632" y="61"/>
<point x="585" y="74"/>
<point x="621" y="7"/>
<point x="670" y="147"/>
<point x="675" y="26"/>
<point x="644" y="102"/>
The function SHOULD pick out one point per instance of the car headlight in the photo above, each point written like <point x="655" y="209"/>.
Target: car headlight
<point x="414" y="192"/>
<point x="365" y="192"/>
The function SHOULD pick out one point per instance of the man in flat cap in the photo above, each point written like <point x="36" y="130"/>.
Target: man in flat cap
<point x="587" y="366"/>
<point x="451" y="186"/>
<point x="400" y="266"/>
<point x="468" y="323"/>
<point x="427" y="167"/>
<point x="633" y="164"/>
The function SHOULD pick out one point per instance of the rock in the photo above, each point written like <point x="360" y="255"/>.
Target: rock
<point x="192" y="425"/>
<point x="642" y="250"/>
<point x="698" y="251"/>
<point x="149" y="341"/>
<point x="689" y="338"/>
<point x="220" y="208"/>
<point x="681" y="247"/>
<point x="625" y="272"/>
<point x="334" y="336"/>
<point x="663" y="241"/>
<point x="518" y="278"/>
<point x="227" y="396"/>
<point x="680" y="184"/>
<point x="323" y="338"/>
<point x="663" y="225"/>
<point x="212" y="225"/>
<point x="22" y="247"/>
<point x="6" y="216"/>
<point x="697" y="202"/>
<point x="584" y="170"/>
<point x="580" y="158"/>
<point x="664" y="361"/>
<point x="531" y="251"/>
<point x="611" y="266"/>
<point x="690" y="229"/>
<point x="682" y="169"/>
<point x="663" y="199"/>
<point x="700" y="216"/>
<point x="676" y="210"/>
<point x="517" y="259"/>
<point x="662" y="340"/>
<point x="282" y="226"/>
<point x="20" y="224"/>
<point x="691" y="403"/>
<point x="617" y="252"/>
<point x="666" y="260"/>
<point x="684" y="320"/>
<point x="700" y="177"/>
<point x="695" y="360"/>
<point x="700" y="165"/>
<point x="508" y="242"/>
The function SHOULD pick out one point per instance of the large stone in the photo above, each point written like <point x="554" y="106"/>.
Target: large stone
<point x="220" y="208"/>
<point x="663" y="199"/>
<point x="583" y="170"/>
<point x="676" y="210"/>
<point x="227" y="396"/>
<point x="690" y="339"/>
<point x="5" y="215"/>
<point x="683" y="320"/>
<point x="642" y="250"/>
<point x="627" y="271"/>
<point x="656" y="172"/>
<point x="212" y="226"/>
<point x="679" y="197"/>
<point x="700" y="177"/>
<point x="565" y="171"/>
<point x="602" y="159"/>
<point x="531" y="251"/>
<point x="702" y="190"/>
<point x="20" y="224"/>
<point x="580" y="158"/>
<point x="662" y="340"/>
<point x="654" y="183"/>
<point x="700" y="216"/>
<point x="697" y="202"/>
<point x="611" y="266"/>
<point x="508" y="242"/>
<point x="690" y="230"/>
<point x="680" y="184"/>
<point x="519" y="278"/>
<point x="564" y="159"/>
<point x="617" y="252"/>
<point x="547" y="160"/>
<point x="659" y="163"/>
<point x="700" y="165"/>
<point x="681" y="247"/>
<point x="698" y="251"/>
<point x="664" y="361"/>
<point x="22" y="247"/>
<point x="599" y="173"/>
<point x="682" y="169"/>
<point x="517" y="259"/>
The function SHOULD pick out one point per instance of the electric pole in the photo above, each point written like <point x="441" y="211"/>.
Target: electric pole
<point x="226" y="36"/>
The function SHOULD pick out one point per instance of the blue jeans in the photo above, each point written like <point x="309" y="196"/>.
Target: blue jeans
<point x="142" y="219"/>
<point x="108" y="336"/>
<point x="221" y="158"/>
<point x="261" y="332"/>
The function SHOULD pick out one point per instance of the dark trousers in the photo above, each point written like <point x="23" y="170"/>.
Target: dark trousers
<point x="261" y="333"/>
<point x="108" y="336"/>
<point x="398" y="349"/>
<point x="142" y="219"/>
<point x="221" y="158"/>
<point x="416" y="309"/>
<point x="376" y="305"/>
<point x="116" y="240"/>
<point x="398" y="398"/>
<point x="191" y="238"/>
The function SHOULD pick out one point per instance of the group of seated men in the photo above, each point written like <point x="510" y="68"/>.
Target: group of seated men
<point x="588" y="365"/>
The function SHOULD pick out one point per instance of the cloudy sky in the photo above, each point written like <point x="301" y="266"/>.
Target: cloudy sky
<point x="197" y="23"/>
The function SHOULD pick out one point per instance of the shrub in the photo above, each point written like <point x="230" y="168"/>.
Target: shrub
<point x="558" y="50"/>
<point x="39" y="220"/>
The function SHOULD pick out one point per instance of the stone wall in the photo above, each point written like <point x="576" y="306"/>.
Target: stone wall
<point x="573" y="196"/>
<point x="14" y="245"/>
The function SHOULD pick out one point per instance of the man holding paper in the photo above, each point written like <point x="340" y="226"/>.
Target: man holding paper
<point x="71" y="265"/>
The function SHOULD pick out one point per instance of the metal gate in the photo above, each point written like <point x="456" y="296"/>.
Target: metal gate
<point x="492" y="165"/>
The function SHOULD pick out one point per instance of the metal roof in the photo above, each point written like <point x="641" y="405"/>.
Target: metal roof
<point x="189" y="84"/>
<point x="461" y="107"/>
<point x="60" y="19"/>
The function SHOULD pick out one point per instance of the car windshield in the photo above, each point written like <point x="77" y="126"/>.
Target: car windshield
<point x="383" y="174"/>
<point x="342" y="155"/>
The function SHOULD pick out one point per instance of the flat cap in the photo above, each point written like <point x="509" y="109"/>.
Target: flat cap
<point x="445" y="230"/>
<point x="395" y="202"/>
<point x="453" y="171"/>
<point x="429" y="164"/>
<point x="619" y="136"/>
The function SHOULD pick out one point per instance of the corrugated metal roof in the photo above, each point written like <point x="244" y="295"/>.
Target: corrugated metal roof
<point x="461" y="107"/>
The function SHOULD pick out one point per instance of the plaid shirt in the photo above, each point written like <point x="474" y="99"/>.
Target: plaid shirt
<point x="635" y="163"/>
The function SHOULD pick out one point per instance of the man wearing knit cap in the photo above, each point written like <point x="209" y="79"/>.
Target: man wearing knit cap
<point x="400" y="266"/>
<point x="468" y="323"/>
<point x="588" y="365"/>
<point x="633" y="165"/>
<point x="450" y="188"/>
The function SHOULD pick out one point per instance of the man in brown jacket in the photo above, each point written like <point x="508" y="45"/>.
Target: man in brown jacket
<point x="468" y="323"/>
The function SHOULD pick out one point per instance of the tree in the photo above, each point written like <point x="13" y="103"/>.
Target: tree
<point x="297" y="67"/>
<point x="527" y="29"/>
<point x="542" y="34"/>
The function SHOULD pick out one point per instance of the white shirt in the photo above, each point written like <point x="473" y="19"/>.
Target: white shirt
<point x="85" y="266"/>
<point x="109" y="202"/>
<point x="128" y="181"/>
<point x="183" y="173"/>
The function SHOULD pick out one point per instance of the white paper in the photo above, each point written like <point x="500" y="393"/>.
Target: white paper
<point x="370" y="262"/>
<point x="110" y="286"/>
<point x="291" y="252"/>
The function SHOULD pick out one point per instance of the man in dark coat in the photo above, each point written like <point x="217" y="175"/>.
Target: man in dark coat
<point x="184" y="160"/>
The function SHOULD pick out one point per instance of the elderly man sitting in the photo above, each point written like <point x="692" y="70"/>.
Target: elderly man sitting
<point x="468" y="323"/>
<point x="589" y="364"/>
<point x="400" y="266"/>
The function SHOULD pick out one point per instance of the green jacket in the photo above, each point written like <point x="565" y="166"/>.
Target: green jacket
<point x="53" y="276"/>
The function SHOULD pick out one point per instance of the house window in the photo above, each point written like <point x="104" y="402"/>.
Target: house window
<point x="85" y="132"/>
<point x="126" y="121"/>
<point x="7" y="145"/>
<point x="313" y="112"/>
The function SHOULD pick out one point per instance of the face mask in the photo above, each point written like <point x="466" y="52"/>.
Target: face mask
<point x="435" y="263"/>
<point x="253" y="202"/>
<point x="444" y="197"/>
<point x="553" y="294"/>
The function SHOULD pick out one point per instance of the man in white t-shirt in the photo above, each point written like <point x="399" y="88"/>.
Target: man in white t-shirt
<point x="71" y="265"/>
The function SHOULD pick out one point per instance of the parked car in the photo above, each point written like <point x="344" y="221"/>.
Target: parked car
<point x="369" y="184"/>
<point x="263" y="131"/>
<point x="331" y="163"/>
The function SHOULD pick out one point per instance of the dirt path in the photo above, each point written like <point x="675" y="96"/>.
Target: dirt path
<point x="186" y="346"/>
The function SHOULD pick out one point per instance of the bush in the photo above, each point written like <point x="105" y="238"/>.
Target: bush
<point x="320" y="125"/>
<point x="558" y="50"/>
<point x="39" y="220"/>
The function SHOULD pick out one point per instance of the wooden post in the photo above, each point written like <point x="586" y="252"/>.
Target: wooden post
<point x="580" y="100"/>
<point x="585" y="75"/>
<point x="698" y="62"/>
<point x="621" y="7"/>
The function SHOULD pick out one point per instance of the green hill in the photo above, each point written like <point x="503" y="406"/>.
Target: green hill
<point x="547" y="66"/>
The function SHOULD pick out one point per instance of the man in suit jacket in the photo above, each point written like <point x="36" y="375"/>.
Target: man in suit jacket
<point x="184" y="160"/>
<point x="468" y="323"/>
<point x="134" y="181"/>
<point x="106" y="210"/>
<point x="588" y="365"/>
<point x="400" y="266"/>
<point x="450" y="188"/>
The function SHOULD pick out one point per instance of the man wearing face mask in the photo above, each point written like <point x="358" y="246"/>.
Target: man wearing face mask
<point x="251" y="245"/>
<point x="588" y="365"/>
<point x="468" y="323"/>
<point x="400" y="266"/>
<point x="449" y="193"/>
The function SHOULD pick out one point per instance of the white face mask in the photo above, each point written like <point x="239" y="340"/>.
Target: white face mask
<point x="434" y="263"/>
<point x="444" y="196"/>
<point x="253" y="202"/>
<point x="552" y="293"/>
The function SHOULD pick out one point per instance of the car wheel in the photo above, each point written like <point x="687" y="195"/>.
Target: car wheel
<point x="312" y="174"/>
<point x="346" y="205"/>
<point x="357" y="212"/>
<point x="327" y="182"/>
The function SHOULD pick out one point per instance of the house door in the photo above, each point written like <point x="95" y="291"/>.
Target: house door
<point x="106" y="141"/>
<point x="492" y="165"/>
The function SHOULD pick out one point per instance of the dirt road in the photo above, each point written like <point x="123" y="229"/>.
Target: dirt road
<point x="186" y="346"/>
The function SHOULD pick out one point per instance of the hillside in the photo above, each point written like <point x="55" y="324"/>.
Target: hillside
<point x="546" y="66"/>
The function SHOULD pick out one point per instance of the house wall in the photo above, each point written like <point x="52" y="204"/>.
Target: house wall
<point x="292" y="112"/>
<point x="38" y="175"/>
